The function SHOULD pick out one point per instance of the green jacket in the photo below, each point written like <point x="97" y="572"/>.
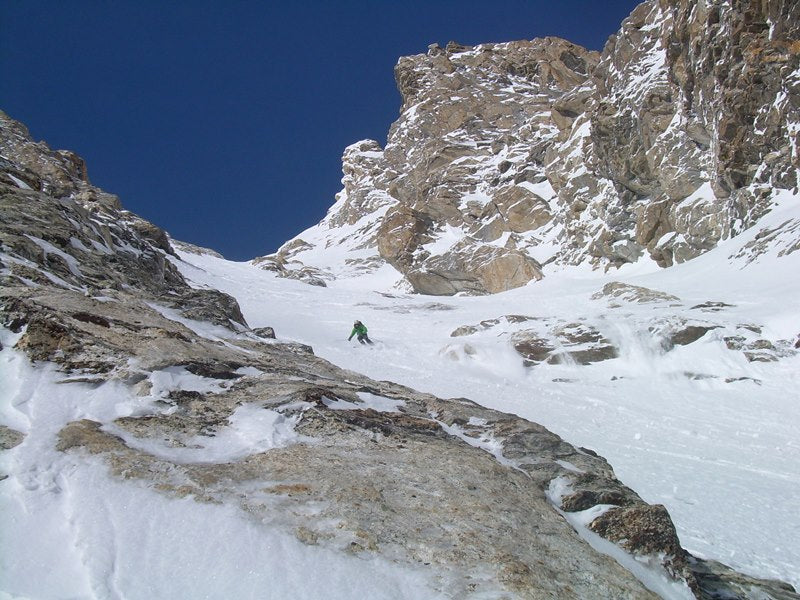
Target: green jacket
<point x="358" y="330"/>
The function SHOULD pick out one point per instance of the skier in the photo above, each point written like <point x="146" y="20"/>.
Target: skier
<point x="360" y="330"/>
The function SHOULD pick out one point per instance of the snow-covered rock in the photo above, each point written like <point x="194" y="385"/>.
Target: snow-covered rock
<point x="507" y="157"/>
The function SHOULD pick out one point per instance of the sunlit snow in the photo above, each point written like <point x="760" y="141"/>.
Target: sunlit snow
<point x="699" y="429"/>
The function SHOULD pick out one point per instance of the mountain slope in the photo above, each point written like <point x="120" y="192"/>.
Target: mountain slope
<point x="685" y="378"/>
<point x="139" y="411"/>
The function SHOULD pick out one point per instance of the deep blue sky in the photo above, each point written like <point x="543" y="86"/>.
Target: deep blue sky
<point x="224" y="122"/>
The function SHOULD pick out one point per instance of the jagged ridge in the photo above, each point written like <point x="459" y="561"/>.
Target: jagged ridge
<point x="508" y="157"/>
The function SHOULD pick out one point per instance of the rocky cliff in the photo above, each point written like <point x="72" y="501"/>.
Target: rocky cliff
<point x="488" y="502"/>
<point x="508" y="159"/>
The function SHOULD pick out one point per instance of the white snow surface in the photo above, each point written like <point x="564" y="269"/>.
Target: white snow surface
<point x="698" y="429"/>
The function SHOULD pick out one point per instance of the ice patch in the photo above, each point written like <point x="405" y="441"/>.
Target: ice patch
<point x="78" y="245"/>
<point x="19" y="183"/>
<point x="251" y="371"/>
<point x="178" y="378"/>
<point x="250" y="430"/>
<point x="48" y="248"/>
<point x="486" y="441"/>
<point x="569" y="466"/>
<point x="377" y="403"/>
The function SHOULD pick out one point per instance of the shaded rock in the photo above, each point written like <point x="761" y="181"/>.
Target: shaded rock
<point x="735" y="342"/>
<point x="715" y="580"/>
<point x="291" y="269"/>
<point x="489" y="323"/>
<point x="522" y="209"/>
<point x="531" y="347"/>
<point x="487" y="270"/>
<point x="633" y="293"/>
<point x="464" y="330"/>
<point x="9" y="438"/>
<point x="194" y="249"/>
<point x="690" y="334"/>
<point x="389" y="423"/>
<point x="640" y="529"/>
<point x="212" y="306"/>
<point x="574" y="334"/>
<point x="46" y="338"/>
<point x="588" y="498"/>
<point x="401" y="232"/>
<point x="564" y="343"/>
<point x="264" y="332"/>
<point x="712" y="306"/>
<point x="517" y="318"/>
<point x="643" y="530"/>
<point x="585" y="357"/>
<point x="214" y="370"/>
<point x="297" y="348"/>
<point x="760" y="357"/>
<point x="90" y="318"/>
<point x="584" y="345"/>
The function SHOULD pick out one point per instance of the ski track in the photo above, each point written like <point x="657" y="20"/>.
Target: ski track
<point x="721" y="456"/>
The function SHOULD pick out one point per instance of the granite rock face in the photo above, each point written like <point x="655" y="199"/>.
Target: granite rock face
<point x="93" y="290"/>
<point x="507" y="157"/>
<point x="692" y="122"/>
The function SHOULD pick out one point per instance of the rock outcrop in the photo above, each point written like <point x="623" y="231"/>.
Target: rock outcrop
<point x="585" y="341"/>
<point x="508" y="157"/>
<point x="691" y="125"/>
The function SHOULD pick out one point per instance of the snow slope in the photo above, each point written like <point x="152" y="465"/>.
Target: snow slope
<point x="71" y="530"/>
<point x="698" y="428"/>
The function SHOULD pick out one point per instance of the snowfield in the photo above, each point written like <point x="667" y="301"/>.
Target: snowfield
<point x="698" y="428"/>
